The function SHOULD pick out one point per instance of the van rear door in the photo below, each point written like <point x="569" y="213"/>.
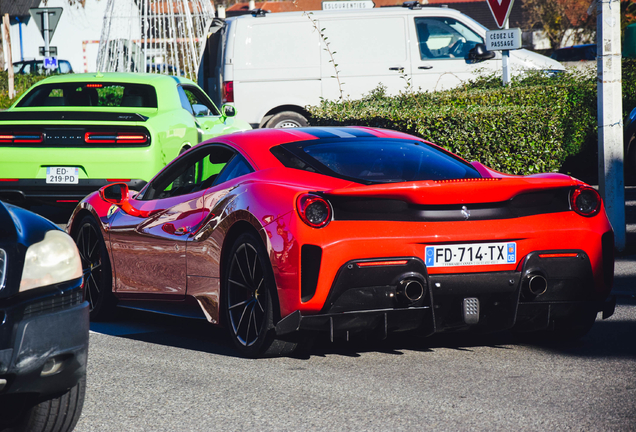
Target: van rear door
<point x="210" y="75"/>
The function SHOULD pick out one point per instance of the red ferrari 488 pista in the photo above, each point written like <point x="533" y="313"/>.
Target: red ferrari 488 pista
<point x="274" y="232"/>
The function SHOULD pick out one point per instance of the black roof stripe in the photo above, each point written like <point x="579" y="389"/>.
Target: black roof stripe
<point x="337" y="132"/>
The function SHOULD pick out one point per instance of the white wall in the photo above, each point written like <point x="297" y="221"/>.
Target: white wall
<point x="78" y="28"/>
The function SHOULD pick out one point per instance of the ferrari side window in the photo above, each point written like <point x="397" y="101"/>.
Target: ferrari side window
<point x="237" y="167"/>
<point x="194" y="172"/>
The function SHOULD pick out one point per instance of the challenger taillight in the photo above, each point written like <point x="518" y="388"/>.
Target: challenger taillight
<point x="22" y="138"/>
<point x="585" y="201"/>
<point x="115" y="138"/>
<point x="314" y="210"/>
<point x="228" y="91"/>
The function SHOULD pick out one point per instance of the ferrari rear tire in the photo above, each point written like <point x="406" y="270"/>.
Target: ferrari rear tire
<point x="56" y="414"/>
<point x="248" y="300"/>
<point x="287" y="119"/>
<point x="96" y="269"/>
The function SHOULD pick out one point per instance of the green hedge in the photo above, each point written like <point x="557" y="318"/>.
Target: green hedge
<point x="536" y="124"/>
<point x="21" y="83"/>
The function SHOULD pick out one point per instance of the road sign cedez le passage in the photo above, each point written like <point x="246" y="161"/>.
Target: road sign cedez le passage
<point x="508" y="39"/>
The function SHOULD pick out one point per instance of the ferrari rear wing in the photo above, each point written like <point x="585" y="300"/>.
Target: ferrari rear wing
<point x="447" y="192"/>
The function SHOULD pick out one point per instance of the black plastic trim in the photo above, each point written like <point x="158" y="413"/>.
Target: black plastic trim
<point x="37" y="190"/>
<point x="525" y="204"/>
<point x="310" y="260"/>
<point x="72" y="115"/>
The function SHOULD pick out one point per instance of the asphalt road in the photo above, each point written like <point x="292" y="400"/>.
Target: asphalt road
<point x="154" y="373"/>
<point x="166" y="374"/>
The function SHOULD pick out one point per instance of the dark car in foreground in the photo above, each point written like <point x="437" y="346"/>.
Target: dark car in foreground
<point x="43" y="324"/>
<point x="281" y="233"/>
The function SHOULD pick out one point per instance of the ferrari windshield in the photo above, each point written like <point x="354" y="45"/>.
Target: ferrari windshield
<point x="86" y="94"/>
<point x="375" y="160"/>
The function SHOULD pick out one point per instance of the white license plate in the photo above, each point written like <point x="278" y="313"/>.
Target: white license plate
<point x="62" y="175"/>
<point x="471" y="254"/>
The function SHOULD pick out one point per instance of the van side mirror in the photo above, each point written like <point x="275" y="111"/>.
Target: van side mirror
<point x="114" y="193"/>
<point x="479" y="53"/>
<point x="228" y="110"/>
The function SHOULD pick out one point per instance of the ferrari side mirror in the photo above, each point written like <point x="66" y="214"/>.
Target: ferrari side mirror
<point x="115" y="193"/>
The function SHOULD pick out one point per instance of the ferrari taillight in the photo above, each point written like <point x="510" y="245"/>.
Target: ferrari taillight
<point x="585" y="201"/>
<point x="22" y="138"/>
<point x="115" y="138"/>
<point x="314" y="210"/>
<point x="228" y="91"/>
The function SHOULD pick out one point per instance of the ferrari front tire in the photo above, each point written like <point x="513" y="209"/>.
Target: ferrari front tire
<point x="96" y="269"/>
<point x="248" y="300"/>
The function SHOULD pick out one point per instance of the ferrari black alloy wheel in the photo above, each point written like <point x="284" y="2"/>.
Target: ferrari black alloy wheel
<point x="96" y="269"/>
<point x="248" y="304"/>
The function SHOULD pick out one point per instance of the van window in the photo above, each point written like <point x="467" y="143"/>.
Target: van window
<point x="444" y="38"/>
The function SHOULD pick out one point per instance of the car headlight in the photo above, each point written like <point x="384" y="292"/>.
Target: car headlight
<point x="632" y="115"/>
<point x="55" y="259"/>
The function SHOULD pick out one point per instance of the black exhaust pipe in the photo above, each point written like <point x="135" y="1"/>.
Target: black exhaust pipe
<point x="534" y="284"/>
<point x="411" y="290"/>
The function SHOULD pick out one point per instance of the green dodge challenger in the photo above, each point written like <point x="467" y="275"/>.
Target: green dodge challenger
<point x="71" y="134"/>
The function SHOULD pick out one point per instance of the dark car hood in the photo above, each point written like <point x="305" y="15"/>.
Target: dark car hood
<point x="21" y="226"/>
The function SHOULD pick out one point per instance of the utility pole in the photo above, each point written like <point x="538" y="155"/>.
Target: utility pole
<point x="6" y="27"/>
<point x="610" y="116"/>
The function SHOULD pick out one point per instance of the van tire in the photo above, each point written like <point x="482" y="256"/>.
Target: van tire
<point x="287" y="119"/>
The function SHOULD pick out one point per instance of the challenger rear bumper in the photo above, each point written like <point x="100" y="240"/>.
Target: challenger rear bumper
<point x="364" y="298"/>
<point x="30" y="191"/>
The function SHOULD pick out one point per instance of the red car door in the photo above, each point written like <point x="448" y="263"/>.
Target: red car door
<point x="148" y="244"/>
<point x="149" y="252"/>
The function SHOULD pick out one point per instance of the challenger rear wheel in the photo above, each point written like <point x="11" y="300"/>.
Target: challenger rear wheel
<point x="96" y="269"/>
<point x="248" y="300"/>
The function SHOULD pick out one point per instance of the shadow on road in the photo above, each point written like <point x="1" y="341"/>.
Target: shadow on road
<point x="613" y="338"/>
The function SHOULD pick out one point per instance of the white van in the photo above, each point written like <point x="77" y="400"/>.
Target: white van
<point x="273" y="65"/>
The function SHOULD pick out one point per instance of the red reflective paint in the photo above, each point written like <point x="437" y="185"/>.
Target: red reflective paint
<point x="176" y="248"/>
